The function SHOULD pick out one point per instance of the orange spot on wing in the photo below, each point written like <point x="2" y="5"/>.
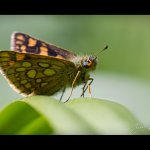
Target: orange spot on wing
<point x="17" y="47"/>
<point x="44" y="44"/>
<point x="11" y="63"/>
<point x="19" y="42"/>
<point x="44" y="51"/>
<point x="23" y="48"/>
<point x="20" y="56"/>
<point x="59" y="56"/>
<point x="20" y="37"/>
<point x="32" y="42"/>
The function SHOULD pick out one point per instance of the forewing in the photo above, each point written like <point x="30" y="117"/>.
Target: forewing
<point x="33" y="74"/>
<point x="24" y="43"/>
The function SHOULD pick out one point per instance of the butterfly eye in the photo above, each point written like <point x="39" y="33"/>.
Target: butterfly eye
<point x="87" y="63"/>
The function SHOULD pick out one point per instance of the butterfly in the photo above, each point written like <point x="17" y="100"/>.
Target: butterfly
<point x="34" y="67"/>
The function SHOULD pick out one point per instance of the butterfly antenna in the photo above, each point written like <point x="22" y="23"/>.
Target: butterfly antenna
<point x="106" y="47"/>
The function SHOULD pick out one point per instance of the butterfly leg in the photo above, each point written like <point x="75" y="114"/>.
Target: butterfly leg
<point x="73" y="83"/>
<point x="82" y="95"/>
<point x="87" y="87"/>
<point x="63" y="91"/>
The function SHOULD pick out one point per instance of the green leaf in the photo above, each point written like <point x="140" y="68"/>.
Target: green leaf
<point x="45" y="115"/>
<point x="21" y="118"/>
<point x="41" y="115"/>
<point x="107" y="117"/>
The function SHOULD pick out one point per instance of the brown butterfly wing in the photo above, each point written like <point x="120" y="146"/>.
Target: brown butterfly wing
<point x="25" y="43"/>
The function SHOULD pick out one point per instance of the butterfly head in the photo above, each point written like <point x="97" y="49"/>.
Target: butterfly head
<point x="89" y="62"/>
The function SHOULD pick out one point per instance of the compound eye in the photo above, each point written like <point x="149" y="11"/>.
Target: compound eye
<point x="87" y="63"/>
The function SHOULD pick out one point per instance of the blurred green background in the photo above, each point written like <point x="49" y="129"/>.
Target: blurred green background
<point x="122" y="74"/>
